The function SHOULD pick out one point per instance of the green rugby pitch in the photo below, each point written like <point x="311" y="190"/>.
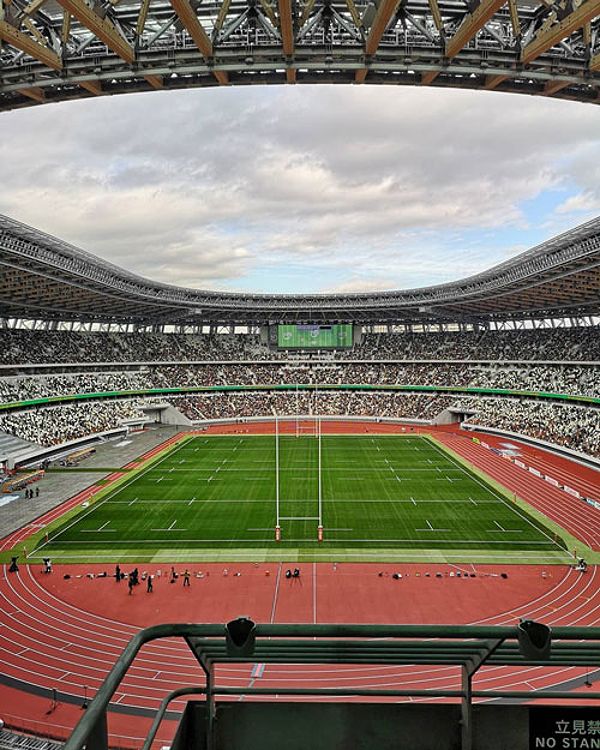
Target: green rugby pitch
<point x="213" y="497"/>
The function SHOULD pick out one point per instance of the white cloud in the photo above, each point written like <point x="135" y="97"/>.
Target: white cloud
<point x="379" y="185"/>
<point x="586" y="202"/>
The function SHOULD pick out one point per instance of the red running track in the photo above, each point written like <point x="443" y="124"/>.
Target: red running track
<point x="66" y="634"/>
<point x="585" y="479"/>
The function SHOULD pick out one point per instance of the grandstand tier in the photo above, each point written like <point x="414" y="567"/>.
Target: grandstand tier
<point x="57" y="386"/>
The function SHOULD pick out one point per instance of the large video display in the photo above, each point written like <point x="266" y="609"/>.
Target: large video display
<point x="338" y="336"/>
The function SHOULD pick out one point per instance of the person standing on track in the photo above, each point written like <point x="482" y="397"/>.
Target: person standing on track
<point x="186" y="577"/>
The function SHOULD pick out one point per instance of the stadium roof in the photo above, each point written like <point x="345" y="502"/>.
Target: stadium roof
<point x="45" y="278"/>
<point x="56" y="50"/>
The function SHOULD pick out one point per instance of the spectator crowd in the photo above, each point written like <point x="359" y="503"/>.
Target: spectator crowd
<point x="59" y="424"/>
<point x="21" y="347"/>
<point x="573" y="379"/>
<point x="555" y="360"/>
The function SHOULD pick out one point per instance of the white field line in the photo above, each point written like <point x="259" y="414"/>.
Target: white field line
<point x="298" y="467"/>
<point x="96" y="506"/>
<point x="299" y="518"/>
<point x="412" y="540"/>
<point x="430" y="527"/>
<point x="337" y="501"/>
<point x="503" y="530"/>
<point x="171" y="528"/>
<point x="98" y="531"/>
<point x="250" y="554"/>
<point x="503" y="500"/>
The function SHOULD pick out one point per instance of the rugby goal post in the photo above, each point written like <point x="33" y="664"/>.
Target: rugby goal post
<point x="319" y="516"/>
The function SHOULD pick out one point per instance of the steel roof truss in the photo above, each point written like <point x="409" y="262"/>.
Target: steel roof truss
<point x="471" y="24"/>
<point x="101" y="28"/>
<point x="162" y="29"/>
<point x="552" y="33"/>
<point x="28" y="45"/>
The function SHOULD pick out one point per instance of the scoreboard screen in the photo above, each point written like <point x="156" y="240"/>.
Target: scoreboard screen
<point x="339" y="336"/>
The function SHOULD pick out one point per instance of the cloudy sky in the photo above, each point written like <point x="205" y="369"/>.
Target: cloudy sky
<point x="293" y="189"/>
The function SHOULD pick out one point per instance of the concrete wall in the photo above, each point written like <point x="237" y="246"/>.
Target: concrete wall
<point x="353" y="726"/>
<point x="166" y="414"/>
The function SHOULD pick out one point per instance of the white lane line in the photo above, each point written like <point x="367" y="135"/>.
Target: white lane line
<point x="275" y="594"/>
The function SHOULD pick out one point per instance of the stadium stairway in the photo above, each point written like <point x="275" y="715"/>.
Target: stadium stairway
<point x="15" y="741"/>
<point x="13" y="448"/>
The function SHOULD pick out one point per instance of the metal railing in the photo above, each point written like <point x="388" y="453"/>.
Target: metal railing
<point x="466" y="647"/>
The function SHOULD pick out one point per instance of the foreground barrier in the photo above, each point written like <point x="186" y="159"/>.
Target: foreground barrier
<point x="468" y="648"/>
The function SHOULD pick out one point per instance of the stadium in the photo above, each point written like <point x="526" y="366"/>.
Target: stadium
<point x="355" y="519"/>
<point x="395" y="450"/>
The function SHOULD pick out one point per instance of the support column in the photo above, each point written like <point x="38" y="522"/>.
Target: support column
<point x="466" y="711"/>
<point x="98" y="738"/>
<point x="210" y="709"/>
